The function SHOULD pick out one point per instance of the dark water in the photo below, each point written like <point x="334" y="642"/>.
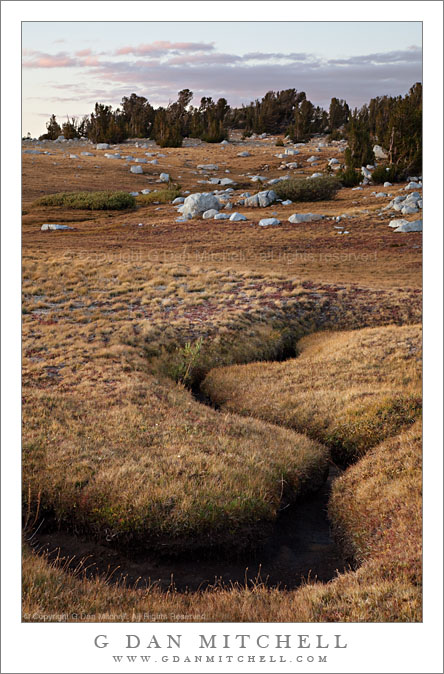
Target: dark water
<point x="300" y="547"/>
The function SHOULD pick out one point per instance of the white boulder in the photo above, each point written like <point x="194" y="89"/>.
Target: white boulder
<point x="261" y="199"/>
<point x="164" y="177"/>
<point x="49" y="227"/>
<point x="415" y="226"/>
<point x="198" y="203"/>
<point x="236" y="217"/>
<point x="379" y="152"/>
<point x="266" y="222"/>
<point x="136" y="169"/>
<point x="221" y="216"/>
<point x="102" y="146"/>
<point x="296" y="218"/>
<point x="208" y="167"/>
<point x="210" y="213"/>
<point x="408" y="209"/>
<point x="398" y="222"/>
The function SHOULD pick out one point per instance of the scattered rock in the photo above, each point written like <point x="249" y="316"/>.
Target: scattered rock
<point x="379" y="152"/>
<point x="397" y="223"/>
<point x="164" y="177"/>
<point x="199" y="202"/>
<point x="266" y="222"/>
<point x="296" y="218"/>
<point x="136" y="169"/>
<point x="48" y="227"/>
<point x="236" y="217"/>
<point x="415" y="226"/>
<point x="408" y="209"/>
<point x="208" y="167"/>
<point x="244" y="154"/>
<point x="102" y="146"/>
<point x="261" y="199"/>
<point x="210" y="213"/>
<point x="178" y="200"/>
<point x="221" y="216"/>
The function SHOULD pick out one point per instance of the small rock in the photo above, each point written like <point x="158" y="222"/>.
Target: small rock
<point x="236" y="217"/>
<point x="136" y="169"/>
<point x="266" y="222"/>
<point x="397" y="223"/>
<point x="304" y="217"/>
<point x="209" y="214"/>
<point x="164" y="177"/>
<point x="415" y="226"/>
<point x="49" y="227"/>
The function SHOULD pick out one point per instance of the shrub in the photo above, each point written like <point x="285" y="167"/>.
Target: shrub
<point x="164" y="196"/>
<point x="313" y="189"/>
<point x="349" y="177"/>
<point x="279" y="142"/>
<point x="383" y="173"/>
<point x="92" y="201"/>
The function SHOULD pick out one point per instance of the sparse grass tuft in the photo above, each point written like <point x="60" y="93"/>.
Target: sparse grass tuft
<point x="313" y="189"/>
<point x="162" y="196"/>
<point x="92" y="201"/>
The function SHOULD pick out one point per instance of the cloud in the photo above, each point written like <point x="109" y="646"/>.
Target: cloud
<point x="42" y="60"/>
<point x="401" y="56"/>
<point x="162" y="47"/>
<point x="237" y="78"/>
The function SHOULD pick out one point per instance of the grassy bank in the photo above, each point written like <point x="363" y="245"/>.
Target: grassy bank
<point x="349" y="390"/>
<point x="386" y="484"/>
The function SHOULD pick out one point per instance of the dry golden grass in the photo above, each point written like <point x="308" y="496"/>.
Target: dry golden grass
<point x="350" y="390"/>
<point x="144" y="464"/>
<point x="384" y="488"/>
<point x="112" y="446"/>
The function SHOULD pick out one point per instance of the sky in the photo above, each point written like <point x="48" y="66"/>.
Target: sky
<point x="68" y="66"/>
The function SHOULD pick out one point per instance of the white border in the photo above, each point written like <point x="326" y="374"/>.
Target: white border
<point x="372" y="647"/>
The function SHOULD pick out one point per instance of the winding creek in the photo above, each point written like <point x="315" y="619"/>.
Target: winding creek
<point x="299" y="549"/>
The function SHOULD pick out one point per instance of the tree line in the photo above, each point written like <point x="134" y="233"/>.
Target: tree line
<point x="395" y="122"/>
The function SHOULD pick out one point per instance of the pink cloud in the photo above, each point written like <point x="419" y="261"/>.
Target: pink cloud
<point x="163" y="47"/>
<point x="41" y="60"/>
<point x="84" y="52"/>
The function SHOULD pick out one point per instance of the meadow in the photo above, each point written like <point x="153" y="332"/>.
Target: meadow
<point x="304" y="343"/>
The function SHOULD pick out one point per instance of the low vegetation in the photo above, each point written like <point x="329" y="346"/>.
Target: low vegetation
<point x="92" y="201"/>
<point x="313" y="189"/>
<point x="349" y="390"/>
<point x="383" y="489"/>
<point x="161" y="196"/>
<point x="349" y="177"/>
